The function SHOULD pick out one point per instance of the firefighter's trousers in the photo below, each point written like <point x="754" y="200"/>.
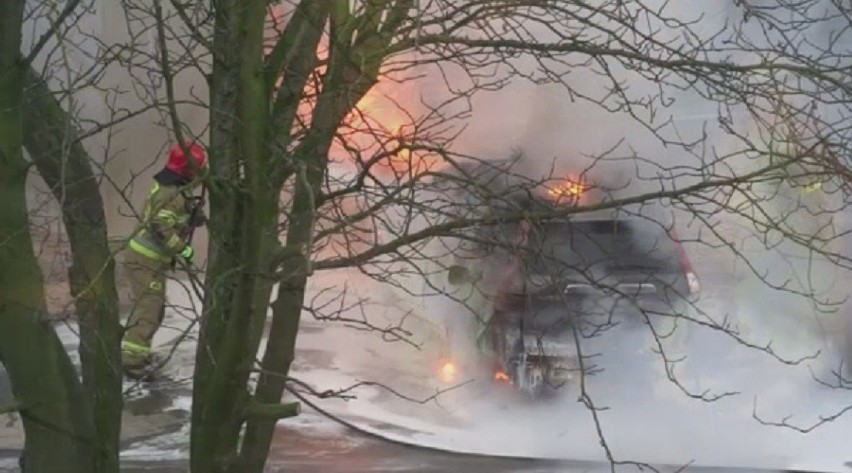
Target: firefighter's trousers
<point x="148" y="290"/>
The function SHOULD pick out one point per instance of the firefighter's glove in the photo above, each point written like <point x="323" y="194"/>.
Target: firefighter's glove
<point x="187" y="253"/>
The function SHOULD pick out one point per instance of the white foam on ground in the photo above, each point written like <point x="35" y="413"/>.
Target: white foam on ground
<point x="647" y="421"/>
<point x="644" y="421"/>
<point x="154" y="452"/>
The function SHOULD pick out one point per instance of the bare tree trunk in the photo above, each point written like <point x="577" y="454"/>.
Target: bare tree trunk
<point x="343" y="87"/>
<point x="51" y="139"/>
<point x="242" y="228"/>
<point x="249" y="164"/>
<point x="58" y="434"/>
<point x="287" y="310"/>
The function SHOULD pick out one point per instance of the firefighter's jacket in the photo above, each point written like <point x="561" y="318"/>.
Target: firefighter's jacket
<point x="165" y="225"/>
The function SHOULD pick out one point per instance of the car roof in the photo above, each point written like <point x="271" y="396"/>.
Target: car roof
<point x="498" y="174"/>
<point x="651" y="209"/>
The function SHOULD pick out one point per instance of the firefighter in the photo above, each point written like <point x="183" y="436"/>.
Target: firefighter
<point x="171" y="213"/>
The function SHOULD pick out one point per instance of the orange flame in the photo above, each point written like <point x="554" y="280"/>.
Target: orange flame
<point x="502" y="376"/>
<point x="381" y="122"/>
<point x="567" y="189"/>
<point x="448" y="371"/>
<point x="378" y="121"/>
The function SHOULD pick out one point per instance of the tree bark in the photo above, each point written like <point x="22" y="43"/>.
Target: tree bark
<point x="286" y="310"/>
<point x="242" y="223"/>
<point x="249" y="164"/>
<point x="58" y="435"/>
<point x="52" y="141"/>
<point x="351" y="73"/>
<point x="341" y="91"/>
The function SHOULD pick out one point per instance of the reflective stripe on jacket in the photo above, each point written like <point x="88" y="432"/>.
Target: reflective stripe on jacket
<point x="165" y="222"/>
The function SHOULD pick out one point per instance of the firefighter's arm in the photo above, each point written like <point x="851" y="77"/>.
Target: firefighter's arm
<point x="169" y="226"/>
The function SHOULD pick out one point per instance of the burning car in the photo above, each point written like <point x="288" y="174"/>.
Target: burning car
<point x="546" y="271"/>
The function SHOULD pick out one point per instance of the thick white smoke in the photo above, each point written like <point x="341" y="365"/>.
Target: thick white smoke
<point x="748" y="282"/>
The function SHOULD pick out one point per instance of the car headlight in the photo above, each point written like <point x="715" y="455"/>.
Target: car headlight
<point x="693" y="284"/>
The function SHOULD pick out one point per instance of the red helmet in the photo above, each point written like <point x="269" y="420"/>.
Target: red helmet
<point x="178" y="163"/>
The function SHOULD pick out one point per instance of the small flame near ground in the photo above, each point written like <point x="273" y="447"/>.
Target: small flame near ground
<point x="449" y="371"/>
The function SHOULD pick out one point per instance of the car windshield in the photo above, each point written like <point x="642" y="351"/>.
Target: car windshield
<point x="577" y="245"/>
